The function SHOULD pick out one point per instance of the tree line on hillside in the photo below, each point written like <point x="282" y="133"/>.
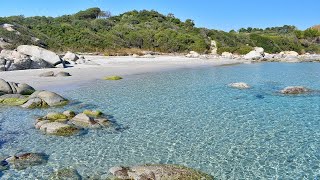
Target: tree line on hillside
<point x="94" y="30"/>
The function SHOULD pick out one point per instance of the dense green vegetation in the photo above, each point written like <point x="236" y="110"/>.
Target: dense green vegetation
<point x="94" y="30"/>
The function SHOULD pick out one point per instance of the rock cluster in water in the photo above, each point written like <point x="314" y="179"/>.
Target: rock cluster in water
<point x="16" y="94"/>
<point x="23" y="161"/>
<point x="159" y="171"/>
<point x="69" y="123"/>
<point x="293" y="90"/>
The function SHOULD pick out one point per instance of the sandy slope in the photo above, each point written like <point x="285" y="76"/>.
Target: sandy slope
<point x="83" y="74"/>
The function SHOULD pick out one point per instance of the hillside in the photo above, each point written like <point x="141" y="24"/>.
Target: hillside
<point x="94" y="30"/>
<point x="316" y="27"/>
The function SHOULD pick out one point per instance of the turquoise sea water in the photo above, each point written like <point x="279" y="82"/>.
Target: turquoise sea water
<point x="188" y="117"/>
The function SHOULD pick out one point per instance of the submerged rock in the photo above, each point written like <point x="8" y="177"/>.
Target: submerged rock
<point x="26" y="160"/>
<point x="13" y="99"/>
<point x="113" y="78"/>
<point x="240" y="85"/>
<point x="65" y="174"/>
<point x="92" y="113"/>
<point x="295" y="90"/>
<point x="160" y="171"/>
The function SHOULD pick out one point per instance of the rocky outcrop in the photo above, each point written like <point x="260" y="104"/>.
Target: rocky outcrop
<point x="25" y="160"/>
<point x="10" y="27"/>
<point x="44" y="99"/>
<point x="3" y="43"/>
<point x="240" y="85"/>
<point x="160" y="171"/>
<point x="68" y="123"/>
<point x="227" y="55"/>
<point x="295" y="90"/>
<point x="38" y="52"/>
<point x="256" y="54"/>
<point x="13" y="60"/>
<point x="213" y="48"/>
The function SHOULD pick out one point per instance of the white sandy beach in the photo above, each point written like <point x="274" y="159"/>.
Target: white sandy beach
<point x="122" y="66"/>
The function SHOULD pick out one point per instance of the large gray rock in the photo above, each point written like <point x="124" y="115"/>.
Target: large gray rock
<point x="20" y="64"/>
<point x="158" y="172"/>
<point x="69" y="56"/>
<point x="41" y="53"/>
<point x="24" y="89"/>
<point x="5" y="87"/>
<point x="49" y="98"/>
<point x="38" y="63"/>
<point x="15" y="88"/>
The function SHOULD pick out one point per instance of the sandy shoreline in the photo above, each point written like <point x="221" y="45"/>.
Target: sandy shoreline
<point x="123" y="66"/>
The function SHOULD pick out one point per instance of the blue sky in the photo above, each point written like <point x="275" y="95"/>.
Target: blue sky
<point x="221" y="14"/>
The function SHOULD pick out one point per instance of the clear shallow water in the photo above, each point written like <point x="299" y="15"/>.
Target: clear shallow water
<point x="188" y="117"/>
